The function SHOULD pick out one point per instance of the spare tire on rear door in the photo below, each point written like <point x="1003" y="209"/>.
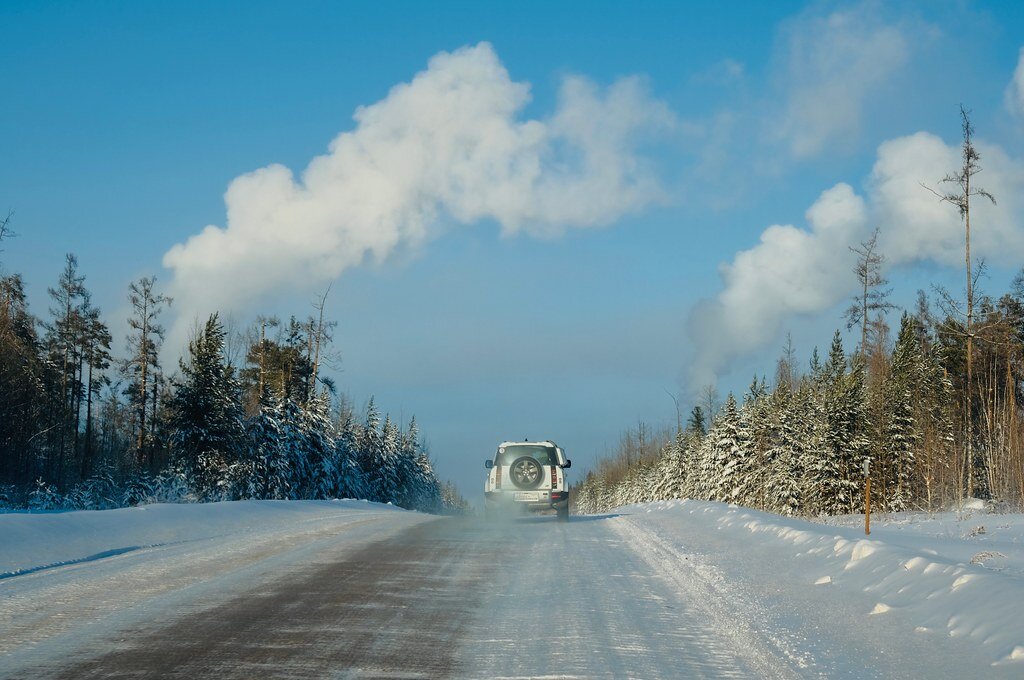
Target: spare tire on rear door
<point x="526" y="473"/>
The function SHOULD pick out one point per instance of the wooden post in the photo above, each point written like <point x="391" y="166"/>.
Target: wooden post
<point x="867" y="496"/>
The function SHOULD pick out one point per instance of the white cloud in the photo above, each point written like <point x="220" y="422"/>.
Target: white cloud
<point x="724" y="73"/>
<point x="1015" y="90"/>
<point x="446" y="146"/>
<point x="830" y="67"/>
<point x="791" y="271"/>
<point x="917" y="226"/>
<point x="796" y="271"/>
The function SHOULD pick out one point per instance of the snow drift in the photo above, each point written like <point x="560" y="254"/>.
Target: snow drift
<point x="946" y="576"/>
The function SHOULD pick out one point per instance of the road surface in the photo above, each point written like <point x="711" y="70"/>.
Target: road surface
<point x="407" y="596"/>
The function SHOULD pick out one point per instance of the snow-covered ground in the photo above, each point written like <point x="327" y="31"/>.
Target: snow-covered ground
<point x="656" y="590"/>
<point x="956" y="579"/>
<point x="38" y="541"/>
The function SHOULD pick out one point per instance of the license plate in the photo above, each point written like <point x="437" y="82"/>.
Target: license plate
<point x="527" y="496"/>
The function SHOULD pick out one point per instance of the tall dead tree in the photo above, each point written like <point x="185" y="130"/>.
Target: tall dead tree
<point x="264" y="321"/>
<point x="319" y="334"/>
<point x="961" y="198"/>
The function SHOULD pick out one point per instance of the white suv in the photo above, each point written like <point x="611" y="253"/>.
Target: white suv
<point x="527" y="477"/>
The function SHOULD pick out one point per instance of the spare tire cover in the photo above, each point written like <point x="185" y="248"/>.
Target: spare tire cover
<point x="526" y="473"/>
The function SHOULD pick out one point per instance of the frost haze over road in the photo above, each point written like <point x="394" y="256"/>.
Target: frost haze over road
<point x="664" y="590"/>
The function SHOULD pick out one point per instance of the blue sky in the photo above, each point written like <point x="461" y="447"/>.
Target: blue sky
<point x="125" y="123"/>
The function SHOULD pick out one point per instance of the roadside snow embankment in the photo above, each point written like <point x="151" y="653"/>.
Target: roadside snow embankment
<point x="32" y="542"/>
<point x="942" y="575"/>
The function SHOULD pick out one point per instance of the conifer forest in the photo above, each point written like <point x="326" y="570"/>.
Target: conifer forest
<point x="245" y="415"/>
<point x="933" y="405"/>
<point x="796" y="445"/>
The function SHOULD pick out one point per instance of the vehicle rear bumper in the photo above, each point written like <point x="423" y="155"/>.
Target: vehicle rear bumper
<point x="505" y="500"/>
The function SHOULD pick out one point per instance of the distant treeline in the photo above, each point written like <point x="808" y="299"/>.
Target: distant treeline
<point x="245" y="415"/>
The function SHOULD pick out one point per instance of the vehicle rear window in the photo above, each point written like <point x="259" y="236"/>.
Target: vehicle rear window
<point x="545" y="455"/>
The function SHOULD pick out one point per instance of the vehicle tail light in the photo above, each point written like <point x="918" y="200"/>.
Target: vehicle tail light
<point x="497" y="476"/>
<point x="554" y="476"/>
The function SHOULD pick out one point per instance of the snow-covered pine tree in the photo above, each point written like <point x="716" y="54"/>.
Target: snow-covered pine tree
<point x="206" y="414"/>
<point x="784" y="473"/>
<point x="836" y="473"/>
<point x="901" y="435"/>
<point x="368" y="451"/>
<point x="669" y="471"/>
<point x="431" y="492"/>
<point x="270" y="476"/>
<point x="824" y="414"/>
<point x="689" y="464"/>
<point x="295" y="448"/>
<point x="385" y="471"/>
<point x="857" y="446"/>
<point x="584" y="494"/>
<point x="351" y="480"/>
<point x="644" y="482"/>
<point x="602" y="495"/>
<point x="705" y="471"/>
<point x="407" y="480"/>
<point x="756" y="426"/>
<point x="729" y="446"/>
<point x="696" y="424"/>
<point x="633" y="488"/>
<point x="813" y="438"/>
<point x="321" y="448"/>
<point x="935" y="415"/>
<point x="45" y="497"/>
<point x="426" y="491"/>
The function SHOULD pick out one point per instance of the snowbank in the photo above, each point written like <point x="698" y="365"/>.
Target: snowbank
<point x="36" y="541"/>
<point x="949" y="575"/>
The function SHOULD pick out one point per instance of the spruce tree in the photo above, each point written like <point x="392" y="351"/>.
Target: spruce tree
<point x="669" y="472"/>
<point x="784" y="459"/>
<point x="321" y="448"/>
<point x="270" y="472"/>
<point x="386" y="468"/>
<point x="857" y="445"/>
<point x="206" y="413"/>
<point x="351" y="479"/>
<point x="902" y="436"/>
<point x="369" y="450"/>
<point x="705" y="475"/>
<point x="697" y="423"/>
<point x="729" y="444"/>
<point x="295" y="446"/>
<point x="825" y="465"/>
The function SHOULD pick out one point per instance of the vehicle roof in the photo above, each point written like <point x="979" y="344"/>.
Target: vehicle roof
<point x="546" y="442"/>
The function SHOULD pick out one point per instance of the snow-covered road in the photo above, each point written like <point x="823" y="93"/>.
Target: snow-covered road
<point x="344" y="590"/>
